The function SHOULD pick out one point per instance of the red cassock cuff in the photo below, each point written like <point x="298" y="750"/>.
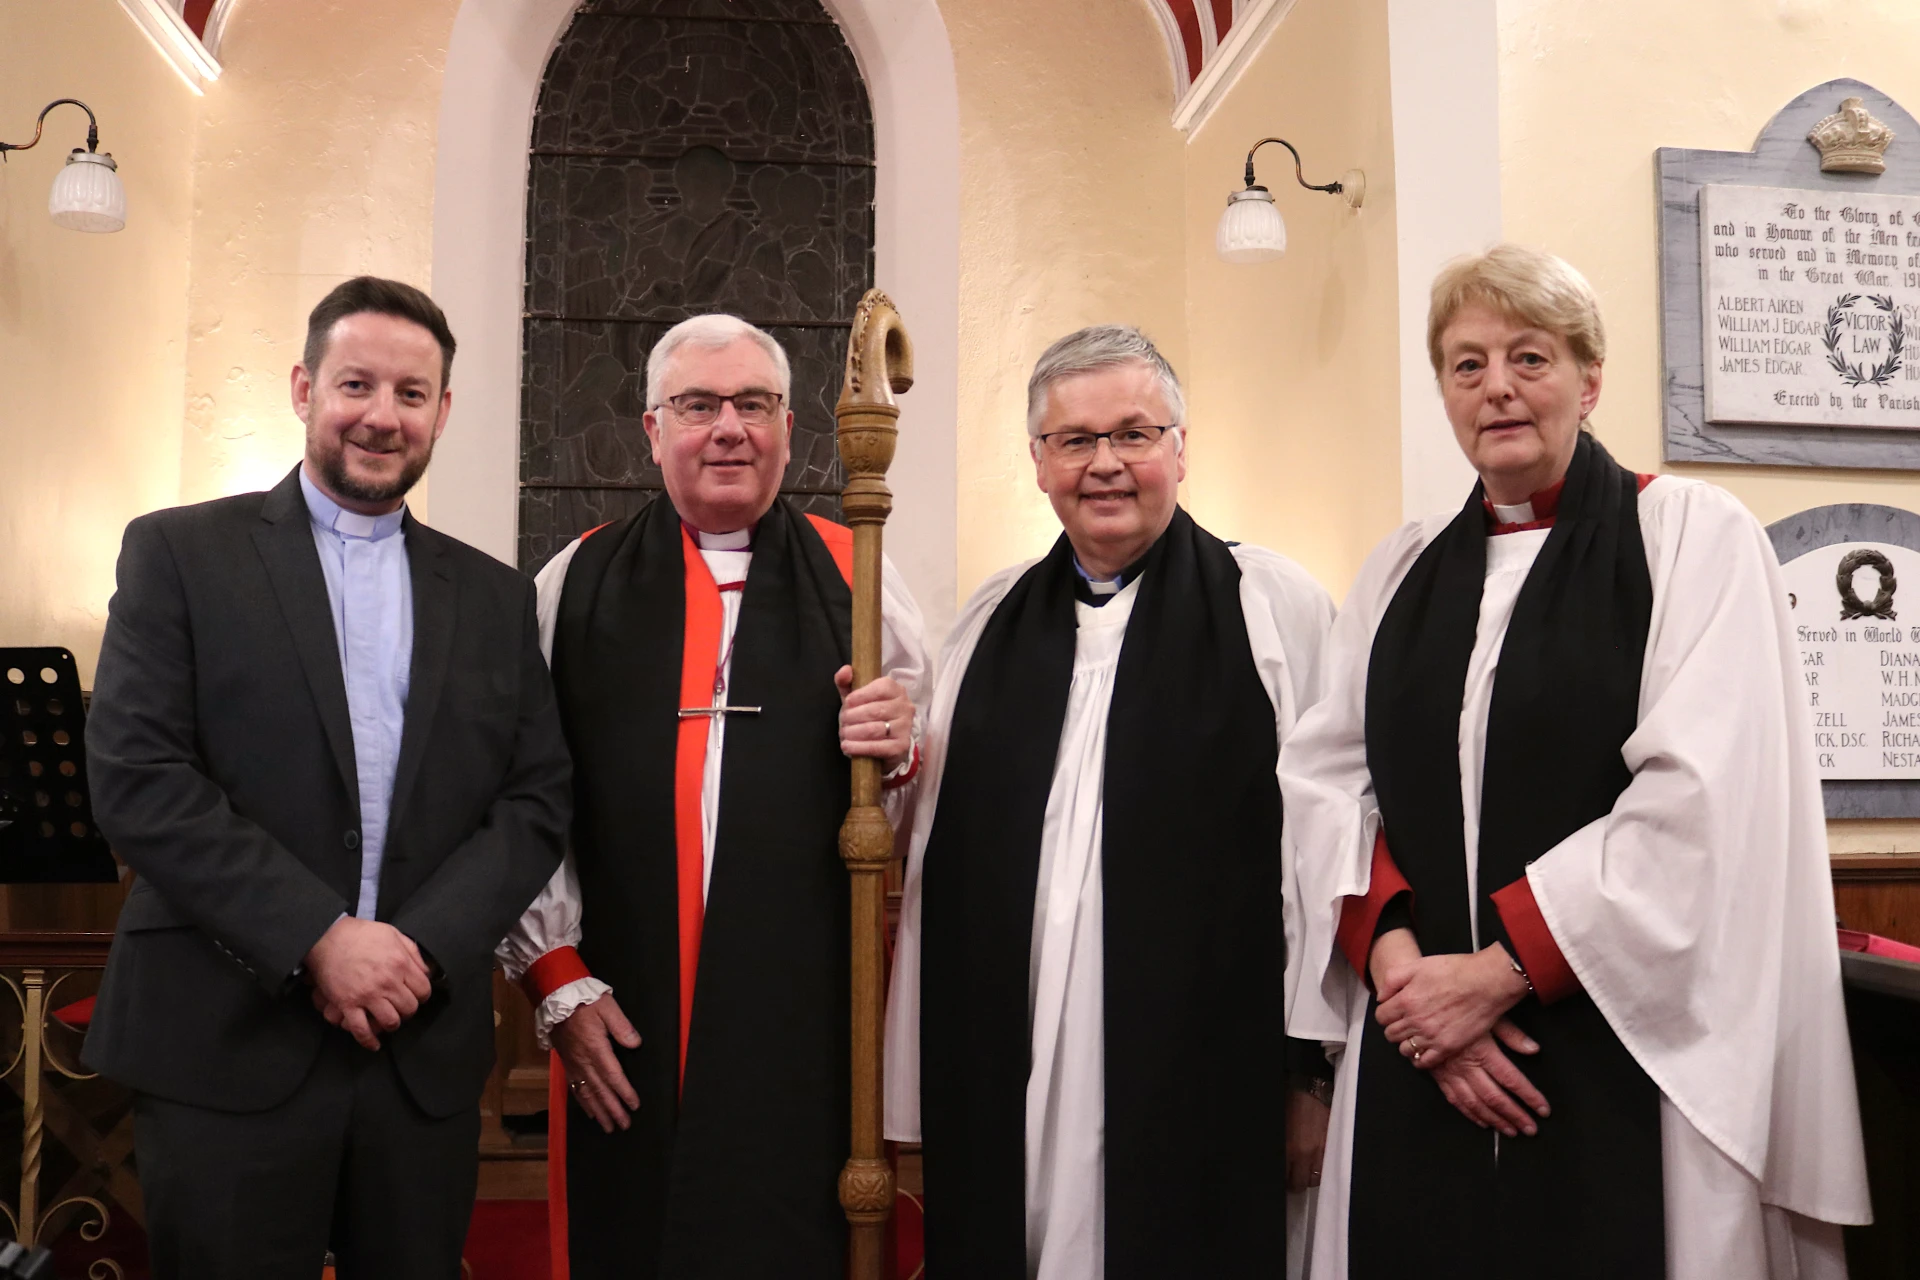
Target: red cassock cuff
<point x="1360" y="916"/>
<point x="1547" y="968"/>
<point x="553" y="971"/>
<point x="913" y="769"/>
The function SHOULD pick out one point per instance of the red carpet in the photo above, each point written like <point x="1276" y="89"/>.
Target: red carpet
<point x="508" y="1240"/>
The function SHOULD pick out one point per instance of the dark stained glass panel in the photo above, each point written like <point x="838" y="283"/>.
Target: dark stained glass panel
<point x="688" y="156"/>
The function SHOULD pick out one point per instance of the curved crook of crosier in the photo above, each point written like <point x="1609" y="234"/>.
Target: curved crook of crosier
<point x="879" y="354"/>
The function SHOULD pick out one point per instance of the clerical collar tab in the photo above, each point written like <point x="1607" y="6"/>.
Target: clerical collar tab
<point x="1088" y="589"/>
<point x="1546" y="503"/>
<point x="1540" y="509"/>
<point x="328" y="514"/>
<point x="738" y="540"/>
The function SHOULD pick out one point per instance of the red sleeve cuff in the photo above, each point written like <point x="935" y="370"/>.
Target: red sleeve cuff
<point x="553" y="971"/>
<point x="1359" y="917"/>
<point x="1533" y="945"/>
<point x="913" y="768"/>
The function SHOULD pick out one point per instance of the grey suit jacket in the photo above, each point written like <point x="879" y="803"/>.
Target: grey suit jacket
<point x="222" y="766"/>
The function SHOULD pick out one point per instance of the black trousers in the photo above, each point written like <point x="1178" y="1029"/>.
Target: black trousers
<point x="348" y="1163"/>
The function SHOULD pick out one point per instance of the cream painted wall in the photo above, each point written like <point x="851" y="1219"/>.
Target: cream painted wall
<point x="1578" y="175"/>
<point x="1293" y="366"/>
<point x="92" y="327"/>
<point x="1070" y="214"/>
<point x="315" y="163"/>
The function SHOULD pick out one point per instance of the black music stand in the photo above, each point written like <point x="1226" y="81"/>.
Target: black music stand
<point x="47" y="833"/>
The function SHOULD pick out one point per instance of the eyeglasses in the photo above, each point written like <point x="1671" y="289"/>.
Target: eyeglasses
<point x="702" y="408"/>
<point x="1129" y="444"/>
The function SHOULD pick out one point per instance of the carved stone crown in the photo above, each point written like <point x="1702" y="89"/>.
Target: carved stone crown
<point x="1851" y="140"/>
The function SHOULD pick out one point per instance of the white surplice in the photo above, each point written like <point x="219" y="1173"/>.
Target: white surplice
<point x="1288" y="616"/>
<point x="553" y="918"/>
<point x="1698" y="914"/>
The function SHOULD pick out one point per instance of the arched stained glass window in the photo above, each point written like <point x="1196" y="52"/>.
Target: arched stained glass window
<point x="688" y="156"/>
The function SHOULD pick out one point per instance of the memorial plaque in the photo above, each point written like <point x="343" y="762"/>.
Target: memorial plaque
<point x="1811" y="299"/>
<point x="1859" y="662"/>
<point x="1787" y="255"/>
<point x="1852" y="573"/>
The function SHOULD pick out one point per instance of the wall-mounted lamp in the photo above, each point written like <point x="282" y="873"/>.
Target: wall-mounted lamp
<point x="1252" y="230"/>
<point x="87" y="196"/>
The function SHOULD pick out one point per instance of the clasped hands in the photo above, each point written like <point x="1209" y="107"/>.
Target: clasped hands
<point x="875" y="720"/>
<point x="368" y="977"/>
<point x="1447" y="1015"/>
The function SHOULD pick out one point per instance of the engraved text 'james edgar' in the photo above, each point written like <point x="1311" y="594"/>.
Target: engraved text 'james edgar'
<point x="1812" y="299"/>
<point x="1859" y="659"/>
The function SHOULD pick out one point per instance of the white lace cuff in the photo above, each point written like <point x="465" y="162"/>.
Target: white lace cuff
<point x="561" y="1004"/>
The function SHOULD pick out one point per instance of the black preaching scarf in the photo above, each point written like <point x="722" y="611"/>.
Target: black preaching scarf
<point x="1434" y="1195"/>
<point x="1194" y="953"/>
<point x="761" y="1125"/>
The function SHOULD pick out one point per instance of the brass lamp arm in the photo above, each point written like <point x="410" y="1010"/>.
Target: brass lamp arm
<point x="93" y="128"/>
<point x="1332" y="188"/>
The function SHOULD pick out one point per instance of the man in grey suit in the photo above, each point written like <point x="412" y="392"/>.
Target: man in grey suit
<point x="323" y="737"/>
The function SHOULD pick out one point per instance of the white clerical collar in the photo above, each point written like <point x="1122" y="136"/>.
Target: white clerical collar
<point x="328" y="514"/>
<point x="1519" y="514"/>
<point x="738" y="540"/>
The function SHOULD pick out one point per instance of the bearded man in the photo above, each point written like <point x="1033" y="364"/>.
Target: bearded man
<point x="690" y="959"/>
<point x="1086" y="1020"/>
<point x="323" y="738"/>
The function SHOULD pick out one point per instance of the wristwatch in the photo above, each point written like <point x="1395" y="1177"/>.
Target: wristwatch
<point x="1519" y="969"/>
<point x="1319" y="1088"/>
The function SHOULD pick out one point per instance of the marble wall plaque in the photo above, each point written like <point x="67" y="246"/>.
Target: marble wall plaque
<point x="1809" y="303"/>
<point x="1852" y="575"/>
<point x="1859" y="661"/>
<point x="1691" y="182"/>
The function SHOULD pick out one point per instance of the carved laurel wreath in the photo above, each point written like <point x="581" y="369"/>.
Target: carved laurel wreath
<point x="1850" y="604"/>
<point x="1857" y="375"/>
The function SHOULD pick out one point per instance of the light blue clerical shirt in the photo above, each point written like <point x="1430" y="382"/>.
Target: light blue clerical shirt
<point x="364" y="559"/>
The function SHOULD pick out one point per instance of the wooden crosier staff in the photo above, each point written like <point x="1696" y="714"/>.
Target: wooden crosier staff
<point x="879" y="364"/>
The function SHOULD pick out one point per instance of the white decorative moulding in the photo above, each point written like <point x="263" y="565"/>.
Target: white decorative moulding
<point x="1222" y="54"/>
<point x="168" y="32"/>
<point x="1223" y="67"/>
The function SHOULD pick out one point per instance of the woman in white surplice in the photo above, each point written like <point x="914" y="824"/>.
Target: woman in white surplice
<point x="1559" y="872"/>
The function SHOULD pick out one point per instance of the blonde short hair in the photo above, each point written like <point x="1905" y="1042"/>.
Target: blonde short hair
<point x="1525" y="285"/>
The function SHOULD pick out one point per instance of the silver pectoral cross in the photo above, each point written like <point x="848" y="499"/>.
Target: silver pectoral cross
<point x="717" y="710"/>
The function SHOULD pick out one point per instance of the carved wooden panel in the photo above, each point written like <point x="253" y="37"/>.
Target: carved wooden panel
<point x="688" y="156"/>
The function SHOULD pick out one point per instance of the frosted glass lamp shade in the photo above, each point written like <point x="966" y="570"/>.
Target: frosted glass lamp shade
<point x="1251" y="230"/>
<point x="87" y="196"/>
